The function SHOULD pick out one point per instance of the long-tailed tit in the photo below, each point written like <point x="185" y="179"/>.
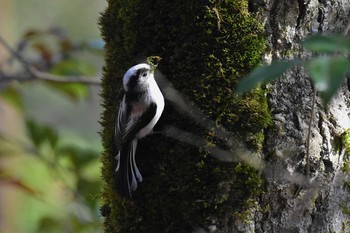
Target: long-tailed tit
<point x="139" y="111"/>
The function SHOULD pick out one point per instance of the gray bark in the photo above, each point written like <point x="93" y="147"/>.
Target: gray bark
<point x="292" y="204"/>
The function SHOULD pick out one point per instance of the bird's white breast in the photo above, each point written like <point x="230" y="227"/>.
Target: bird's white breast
<point x="156" y="96"/>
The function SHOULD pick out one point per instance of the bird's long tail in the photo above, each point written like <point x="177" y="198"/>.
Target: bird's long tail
<point x="128" y="173"/>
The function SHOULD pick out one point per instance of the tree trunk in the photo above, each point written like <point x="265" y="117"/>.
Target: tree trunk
<point x="207" y="46"/>
<point x="295" y="205"/>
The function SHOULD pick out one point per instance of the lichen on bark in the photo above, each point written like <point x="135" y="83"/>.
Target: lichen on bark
<point x="206" y="48"/>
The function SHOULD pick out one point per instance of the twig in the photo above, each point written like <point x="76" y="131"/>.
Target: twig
<point x="309" y="134"/>
<point x="16" y="55"/>
<point x="43" y="76"/>
<point x="66" y="79"/>
<point x="34" y="74"/>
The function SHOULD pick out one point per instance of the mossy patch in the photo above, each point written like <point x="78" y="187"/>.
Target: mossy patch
<point x="206" y="48"/>
<point x="346" y="141"/>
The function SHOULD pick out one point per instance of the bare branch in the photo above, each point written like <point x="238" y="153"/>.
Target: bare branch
<point x="43" y="76"/>
<point x="16" y="55"/>
<point x="33" y="74"/>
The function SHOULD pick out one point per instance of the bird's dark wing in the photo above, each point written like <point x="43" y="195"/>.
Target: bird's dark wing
<point x="121" y="121"/>
<point x="127" y="129"/>
<point x="135" y="126"/>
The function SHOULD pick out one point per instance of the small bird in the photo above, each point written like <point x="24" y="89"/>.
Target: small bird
<point x="139" y="111"/>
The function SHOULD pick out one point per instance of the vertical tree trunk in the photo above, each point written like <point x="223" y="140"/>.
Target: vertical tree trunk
<point x="294" y="205"/>
<point x="207" y="46"/>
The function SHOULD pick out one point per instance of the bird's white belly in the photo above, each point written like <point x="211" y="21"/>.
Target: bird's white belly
<point x="160" y="107"/>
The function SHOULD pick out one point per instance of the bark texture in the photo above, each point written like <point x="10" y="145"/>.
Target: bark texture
<point x="207" y="46"/>
<point x="323" y="204"/>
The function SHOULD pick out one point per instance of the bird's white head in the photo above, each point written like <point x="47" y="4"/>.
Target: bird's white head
<point x="137" y="76"/>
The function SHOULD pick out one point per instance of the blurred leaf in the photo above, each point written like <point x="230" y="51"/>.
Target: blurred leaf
<point x="41" y="133"/>
<point x="7" y="179"/>
<point x="12" y="95"/>
<point x="331" y="43"/>
<point x="90" y="190"/>
<point x="78" y="156"/>
<point x="49" y="224"/>
<point x="74" y="91"/>
<point x="31" y="33"/>
<point x="65" y="45"/>
<point x="264" y="74"/>
<point x="44" y="50"/>
<point x="328" y="74"/>
<point x="72" y="67"/>
<point x="92" y="169"/>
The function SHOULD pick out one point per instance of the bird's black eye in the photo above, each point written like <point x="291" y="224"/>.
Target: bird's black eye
<point x="144" y="74"/>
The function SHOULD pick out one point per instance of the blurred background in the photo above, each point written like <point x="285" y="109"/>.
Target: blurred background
<point x="49" y="141"/>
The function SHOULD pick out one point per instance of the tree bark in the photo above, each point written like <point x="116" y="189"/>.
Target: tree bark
<point x="207" y="46"/>
<point x="294" y="204"/>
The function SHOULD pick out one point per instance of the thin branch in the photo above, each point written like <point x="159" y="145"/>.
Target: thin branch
<point x="66" y="79"/>
<point x="34" y="74"/>
<point x="43" y="76"/>
<point x="13" y="53"/>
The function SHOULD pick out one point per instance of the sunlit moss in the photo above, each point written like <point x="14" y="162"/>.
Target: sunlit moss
<point x="206" y="48"/>
<point x="345" y="138"/>
<point x="346" y="141"/>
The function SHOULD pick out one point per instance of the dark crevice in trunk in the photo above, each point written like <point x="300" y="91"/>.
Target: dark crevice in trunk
<point x="302" y="12"/>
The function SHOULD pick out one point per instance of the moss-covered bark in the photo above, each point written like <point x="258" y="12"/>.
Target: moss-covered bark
<point x="206" y="46"/>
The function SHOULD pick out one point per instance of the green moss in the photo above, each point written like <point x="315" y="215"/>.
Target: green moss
<point x="346" y="167"/>
<point x="206" y="48"/>
<point x="345" y="144"/>
<point x="346" y="141"/>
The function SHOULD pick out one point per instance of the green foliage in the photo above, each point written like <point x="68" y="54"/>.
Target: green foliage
<point x="50" y="179"/>
<point x="40" y="134"/>
<point x="346" y="141"/>
<point x="206" y="48"/>
<point x="265" y="74"/>
<point x="53" y="167"/>
<point x="71" y="67"/>
<point x="327" y="71"/>
<point x="11" y="94"/>
<point x="323" y="43"/>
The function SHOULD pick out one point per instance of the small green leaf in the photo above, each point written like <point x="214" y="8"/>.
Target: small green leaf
<point x="41" y="133"/>
<point x="331" y="43"/>
<point x="12" y="95"/>
<point x="264" y="74"/>
<point x="72" y="67"/>
<point x="74" y="91"/>
<point x="327" y="74"/>
<point x="68" y="68"/>
<point x="78" y="156"/>
<point x="49" y="224"/>
<point x="15" y="182"/>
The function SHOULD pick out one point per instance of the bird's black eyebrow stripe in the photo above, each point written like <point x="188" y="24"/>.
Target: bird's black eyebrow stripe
<point x="134" y="78"/>
<point x="132" y="81"/>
